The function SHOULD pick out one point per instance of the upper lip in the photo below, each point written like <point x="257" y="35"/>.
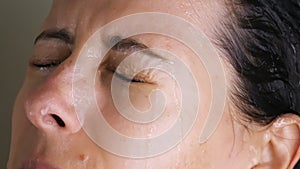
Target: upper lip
<point x="37" y="164"/>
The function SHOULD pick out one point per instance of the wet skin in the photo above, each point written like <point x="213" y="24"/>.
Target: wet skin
<point x="56" y="137"/>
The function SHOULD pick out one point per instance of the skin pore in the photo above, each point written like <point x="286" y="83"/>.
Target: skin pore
<point x="56" y="137"/>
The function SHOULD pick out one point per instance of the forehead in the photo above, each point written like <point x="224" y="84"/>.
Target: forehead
<point x="90" y="15"/>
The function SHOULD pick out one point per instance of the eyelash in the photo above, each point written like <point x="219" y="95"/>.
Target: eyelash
<point x="127" y="79"/>
<point x="45" y="66"/>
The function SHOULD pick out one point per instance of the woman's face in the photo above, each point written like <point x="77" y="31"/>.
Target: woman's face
<point x="46" y="130"/>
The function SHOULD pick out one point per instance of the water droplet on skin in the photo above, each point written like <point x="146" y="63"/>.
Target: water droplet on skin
<point x="150" y="134"/>
<point x="92" y="53"/>
<point x="149" y="147"/>
<point x="178" y="153"/>
<point x="181" y="6"/>
<point x="44" y="111"/>
<point x="283" y="122"/>
<point x="188" y="13"/>
<point x="170" y="62"/>
<point x="48" y="120"/>
<point x="185" y="4"/>
<point x="254" y="152"/>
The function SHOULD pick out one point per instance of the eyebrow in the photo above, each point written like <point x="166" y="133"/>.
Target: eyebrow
<point x="61" y="34"/>
<point x="130" y="45"/>
<point x="124" y="46"/>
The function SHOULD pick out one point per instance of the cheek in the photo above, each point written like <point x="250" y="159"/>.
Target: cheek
<point x="142" y="97"/>
<point x="227" y="147"/>
<point x="187" y="154"/>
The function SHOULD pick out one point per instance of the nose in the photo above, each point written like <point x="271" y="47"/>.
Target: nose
<point x="49" y="106"/>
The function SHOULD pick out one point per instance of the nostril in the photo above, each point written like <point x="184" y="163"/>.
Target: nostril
<point x="58" y="120"/>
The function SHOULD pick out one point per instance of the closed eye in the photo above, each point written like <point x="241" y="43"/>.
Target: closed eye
<point x="52" y="47"/>
<point x="127" y="79"/>
<point x="45" y="65"/>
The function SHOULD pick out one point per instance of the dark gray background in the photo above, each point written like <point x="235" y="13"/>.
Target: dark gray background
<point x="20" y="22"/>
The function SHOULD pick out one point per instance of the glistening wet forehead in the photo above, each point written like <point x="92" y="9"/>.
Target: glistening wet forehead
<point x="89" y="15"/>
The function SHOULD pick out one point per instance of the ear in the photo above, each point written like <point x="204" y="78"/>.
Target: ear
<point x="281" y="147"/>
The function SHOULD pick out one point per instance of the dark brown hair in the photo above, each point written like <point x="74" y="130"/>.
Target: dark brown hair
<point x="261" y="40"/>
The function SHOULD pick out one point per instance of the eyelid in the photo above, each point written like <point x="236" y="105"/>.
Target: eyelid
<point x="133" y="80"/>
<point x="144" y="57"/>
<point x="62" y="35"/>
<point x="112" y="69"/>
<point x="127" y="45"/>
<point x="49" y="54"/>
